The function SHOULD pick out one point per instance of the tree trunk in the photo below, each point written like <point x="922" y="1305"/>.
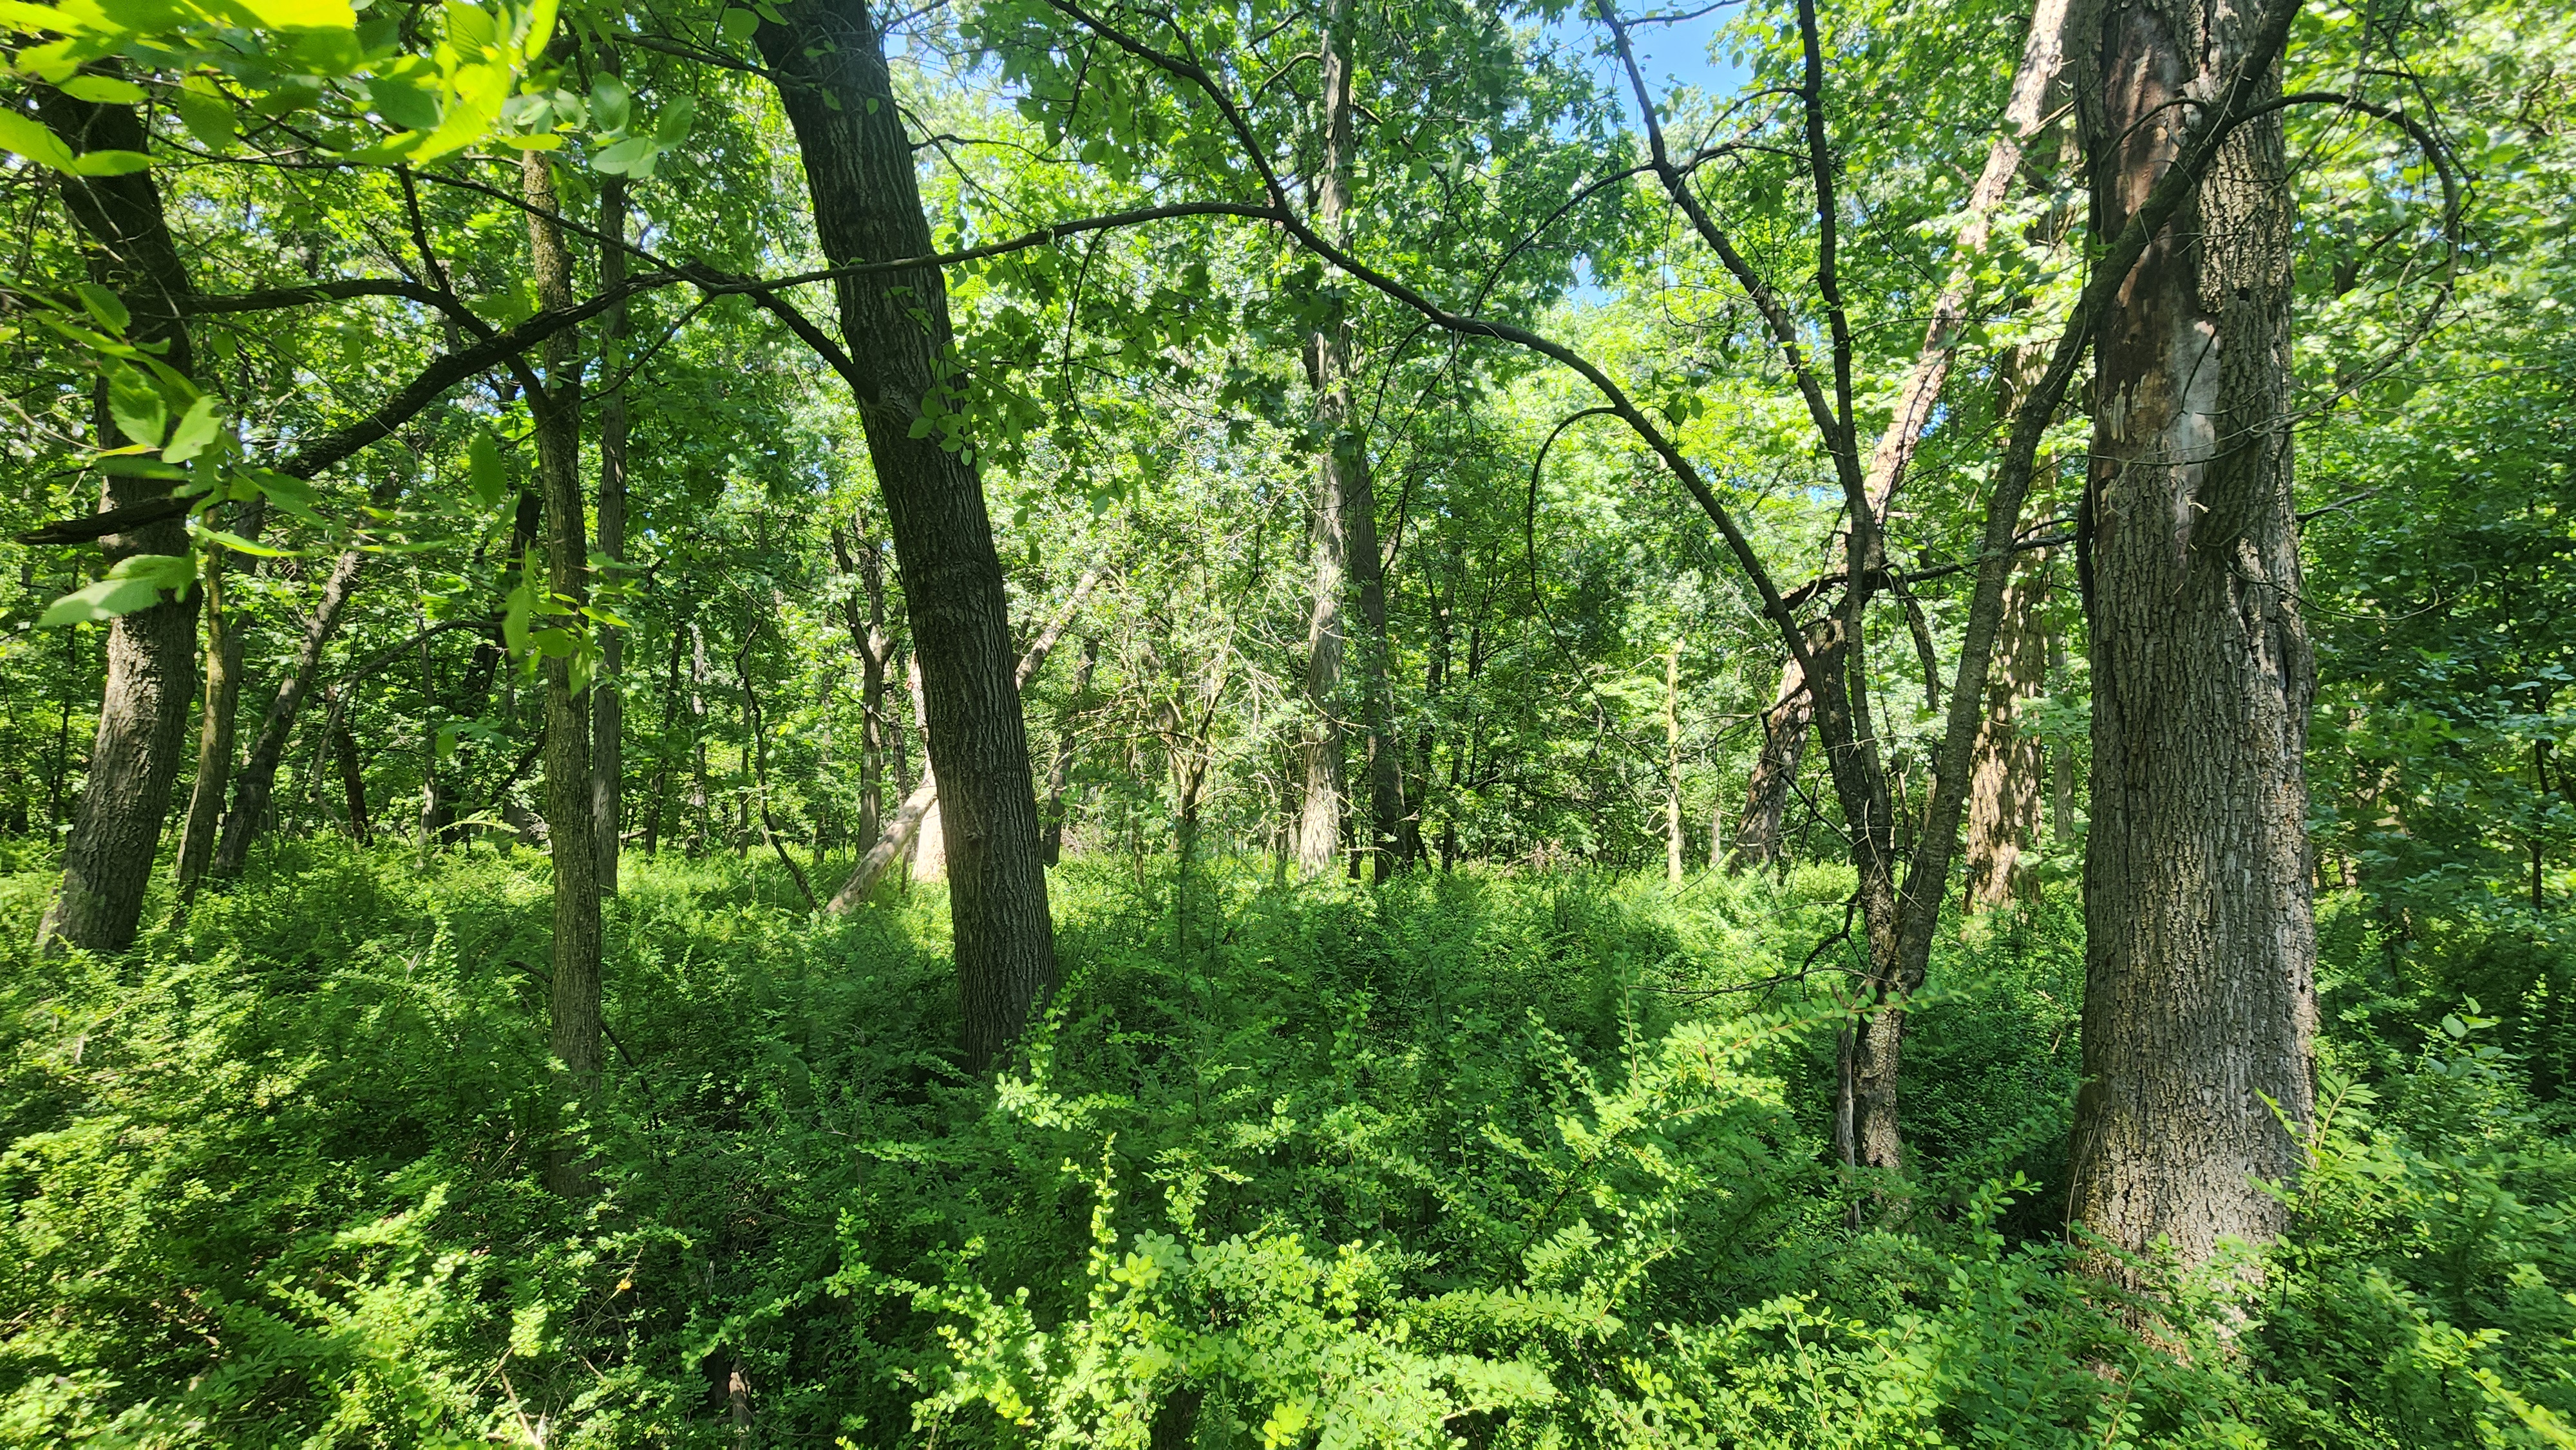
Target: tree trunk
<point x="2004" y="773"/>
<point x="151" y="653"/>
<point x="574" y="1040"/>
<point x="665" y="763"/>
<point x="353" y="775"/>
<point x="699" y="805"/>
<point x="859" y="554"/>
<point x="607" y="696"/>
<point x="920" y="809"/>
<point x="1775" y="770"/>
<point x="258" y="777"/>
<point x="216" y="721"/>
<point x="930" y="843"/>
<point x="1900" y="944"/>
<point x="2200" y="943"/>
<point x="1052" y="846"/>
<point x="833" y="84"/>
<point x="1345" y="526"/>
<point x="1673" y="765"/>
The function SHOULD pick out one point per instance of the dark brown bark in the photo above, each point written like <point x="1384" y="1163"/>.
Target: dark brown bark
<point x="353" y="774"/>
<point x="833" y="84"/>
<point x="151" y="653"/>
<point x="607" y="697"/>
<point x="2200" y="943"/>
<point x="2005" y="771"/>
<point x="575" y="1036"/>
<point x="257" y="779"/>
<point x="1775" y="770"/>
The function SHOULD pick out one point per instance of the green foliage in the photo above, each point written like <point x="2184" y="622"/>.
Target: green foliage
<point x="1476" y="1159"/>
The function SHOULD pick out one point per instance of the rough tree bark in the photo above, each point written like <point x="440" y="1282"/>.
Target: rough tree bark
<point x="607" y="696"/>
<point x="1775" y="770"/>
<point x="930" y="840"/>
<point x="151" y="653"/>
<point x="833" y="84"/>
<point x="2200" y="942"/>
<point x="574" y="1039"/>
<point x="2005" y="770"/>
<point x="1345" y="527"/>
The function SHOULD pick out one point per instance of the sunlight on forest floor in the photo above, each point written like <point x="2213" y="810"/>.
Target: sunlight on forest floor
<point x="1540" y="1156"/>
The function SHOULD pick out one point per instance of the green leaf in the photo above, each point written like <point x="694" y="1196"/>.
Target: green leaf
<point x="110" y="163"/>
<point x="402" y="103"/>
<point x="136" y="406"/>
<point x="469" y="27"/>
<point x="105" y="90"/>
<point x="609" y="104"/>
<point x="207" y="118"/>
<point x="240" y="545"/>
<point x="286" y="491"/>
<point x="197" y="428"/>
<point x="736" y="26"/>
<point x="103" y="305"/>
<point x="630" y="157"/>
<point x="514" y="615"/>
<point x="672" y="126"/>
<point x="136" y="582"/>
<point x="483" y="468"/>
<point x="21" y="134"/>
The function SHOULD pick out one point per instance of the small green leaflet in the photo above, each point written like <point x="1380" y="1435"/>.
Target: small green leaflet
<point x="198" y="427"/>
<point x="104" y="306"/>
<point x="137" y="406"/>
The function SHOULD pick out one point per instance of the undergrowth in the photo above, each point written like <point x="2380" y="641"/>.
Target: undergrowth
<point x="1473" y="1159"/>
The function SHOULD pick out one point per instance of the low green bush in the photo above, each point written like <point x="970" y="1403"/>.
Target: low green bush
<point x="1472" y="1159"/>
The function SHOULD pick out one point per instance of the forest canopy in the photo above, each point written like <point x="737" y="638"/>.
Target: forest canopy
<point x="1292" y="723"/>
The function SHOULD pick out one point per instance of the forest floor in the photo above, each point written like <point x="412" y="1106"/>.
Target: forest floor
<point x="1480" y="1158"/>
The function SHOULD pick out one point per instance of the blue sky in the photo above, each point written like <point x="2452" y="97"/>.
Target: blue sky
<point x="1668" y="54"/>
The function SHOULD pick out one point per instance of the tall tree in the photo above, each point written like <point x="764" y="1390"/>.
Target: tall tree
<point x="574" y="990"/>
<point x="2200" y="943"/>
<point x="2004" y="779"/>
<point x="830" y="67"/>
<point x="607" y="696"/>
<point x="151" y="652"/>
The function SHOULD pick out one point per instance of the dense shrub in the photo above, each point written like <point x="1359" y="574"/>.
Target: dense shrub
<point x="1472" y="1159"/>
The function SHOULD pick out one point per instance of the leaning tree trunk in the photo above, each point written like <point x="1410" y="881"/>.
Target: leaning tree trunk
<point x="832" y="81"/>
<point x="216" y="721"/>
<point x="607" y="696"/>
<point x="861" y="555"/>
<point x="1673" y="765"/>
<point x="2005" y="771"/>
<point x="2200" y="943"/>
<point x="1900" y="947"/>
<point x="1052" y="845"/>
<point x="1775" y="771"/>
<point x="151" y="653"/>
<point x="574" y="1040"/>
<point x="257" y="780"/>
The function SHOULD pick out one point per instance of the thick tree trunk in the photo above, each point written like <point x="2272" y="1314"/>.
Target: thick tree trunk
<point x="151" y="653"/>
<point x="2005" y="771"/>
<point x="2200" y="944"/>
<point x="258" y="777"/>
<point x="1775" y="770"/>
<point x="1345" y="527"/>
<point x="574" y="1040"/>
<point x="607" y="696"/>
<point x="833" y="83"/>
